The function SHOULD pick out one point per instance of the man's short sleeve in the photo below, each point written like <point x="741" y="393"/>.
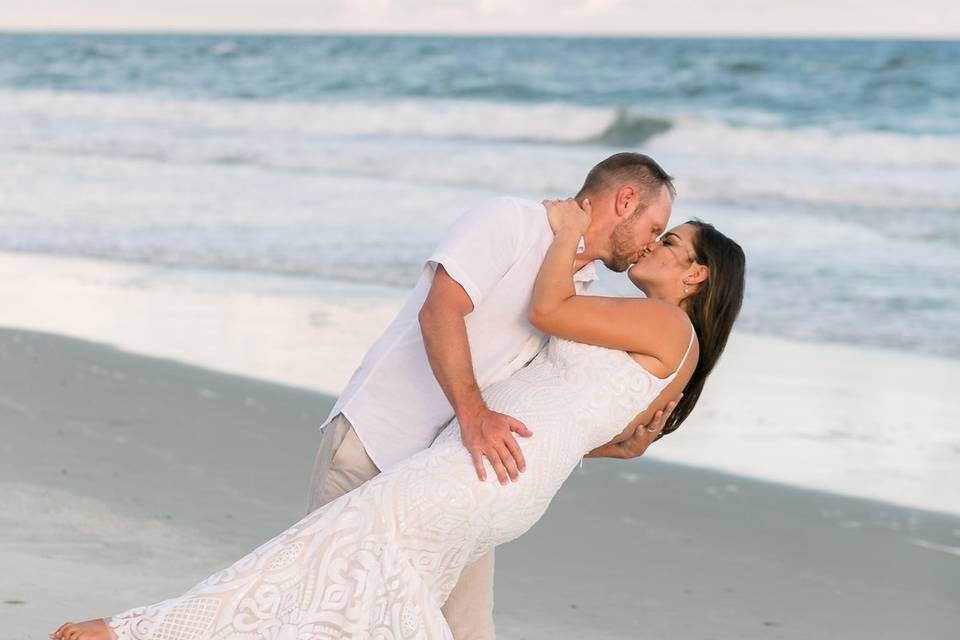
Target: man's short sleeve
<point x="481" y="246"/>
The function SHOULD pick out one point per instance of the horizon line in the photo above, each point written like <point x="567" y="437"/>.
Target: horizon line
<point x="480" y="34"/>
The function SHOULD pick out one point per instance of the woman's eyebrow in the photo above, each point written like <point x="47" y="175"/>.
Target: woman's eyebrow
<point x="671" y="233"/>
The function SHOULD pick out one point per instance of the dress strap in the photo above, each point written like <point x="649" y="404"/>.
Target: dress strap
<point x="693" y="334"/>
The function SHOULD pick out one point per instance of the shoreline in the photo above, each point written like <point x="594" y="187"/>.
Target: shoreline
<point x="126" y="479"/>
<point x="118" y="272"/>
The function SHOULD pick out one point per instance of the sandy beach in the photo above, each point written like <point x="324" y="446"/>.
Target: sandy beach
<point x="126" y="479"/>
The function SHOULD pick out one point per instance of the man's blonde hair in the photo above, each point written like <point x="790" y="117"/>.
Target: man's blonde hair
<point x="627" y="168"/>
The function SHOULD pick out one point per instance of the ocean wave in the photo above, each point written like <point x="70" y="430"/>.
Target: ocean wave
<point x="811" y="145"/>
<point x="476" y="120"/>
<point x="26" y="111"/>
<point x="512" y="148"/>
<point x="440" y="119"/>
<point x="630" y="129"/>
<point x="224" y="48"/>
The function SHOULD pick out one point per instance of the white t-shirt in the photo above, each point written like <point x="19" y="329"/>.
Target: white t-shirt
<point x="494" y="251"/>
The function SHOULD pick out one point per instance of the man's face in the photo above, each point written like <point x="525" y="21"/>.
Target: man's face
<point x="637" y="232"/>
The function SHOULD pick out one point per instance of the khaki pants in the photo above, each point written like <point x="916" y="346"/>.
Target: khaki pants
<point x="342" y="465"/>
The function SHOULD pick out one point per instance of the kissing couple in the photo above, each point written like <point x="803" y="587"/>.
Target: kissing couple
<point x="495" y="379"/>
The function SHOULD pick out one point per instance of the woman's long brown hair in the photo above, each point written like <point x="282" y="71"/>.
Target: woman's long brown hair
<point x="712" y="309"/>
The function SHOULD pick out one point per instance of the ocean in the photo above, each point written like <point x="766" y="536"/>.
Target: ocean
<point x="262" y="204"/>
<point x="836" y="164"/>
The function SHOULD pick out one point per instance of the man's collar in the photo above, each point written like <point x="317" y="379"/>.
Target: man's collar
<point x="587" y="274"/>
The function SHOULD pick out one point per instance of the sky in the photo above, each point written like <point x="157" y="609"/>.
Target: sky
<point x="858" y="18"/>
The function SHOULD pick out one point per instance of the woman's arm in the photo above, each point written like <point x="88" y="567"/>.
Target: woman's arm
<point x="635" y="444"/>
<point x="635" y="325"/>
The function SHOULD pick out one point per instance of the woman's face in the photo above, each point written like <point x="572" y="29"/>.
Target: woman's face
<point x="666" y="262"/>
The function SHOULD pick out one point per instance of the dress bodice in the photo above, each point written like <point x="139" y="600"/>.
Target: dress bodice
<point x="601" y="389"/>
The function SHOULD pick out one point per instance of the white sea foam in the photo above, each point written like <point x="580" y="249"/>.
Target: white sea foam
<point x="808" y="145"/>
<point x="477" y="120"/>
<point x="548" y="122"/>
<point x="506" y="147"/>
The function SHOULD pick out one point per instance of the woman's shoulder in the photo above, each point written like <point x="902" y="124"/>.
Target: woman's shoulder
<point x="670" y="330"/>
<point x="670" y="316"/>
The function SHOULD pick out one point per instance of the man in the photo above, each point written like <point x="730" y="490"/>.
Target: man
<point x="465" y="327"/>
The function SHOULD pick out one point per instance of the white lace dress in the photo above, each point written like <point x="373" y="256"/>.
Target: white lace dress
<point x="380" y="561"/>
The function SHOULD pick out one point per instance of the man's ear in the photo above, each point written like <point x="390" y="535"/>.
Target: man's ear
<point x="626" y="201"/>
<point x="696" y="274"/>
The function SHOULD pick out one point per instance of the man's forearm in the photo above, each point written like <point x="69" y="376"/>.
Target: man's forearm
<point x="448" y="351"/>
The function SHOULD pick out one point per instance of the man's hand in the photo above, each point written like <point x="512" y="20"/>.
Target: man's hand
<point x="488" y="433"/>
<point x="643" y="436"/>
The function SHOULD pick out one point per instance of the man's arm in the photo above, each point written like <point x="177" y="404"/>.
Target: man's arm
<point x="484" y="432"/>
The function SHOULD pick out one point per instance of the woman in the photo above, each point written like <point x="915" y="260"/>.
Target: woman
<point x="381" y="560"/>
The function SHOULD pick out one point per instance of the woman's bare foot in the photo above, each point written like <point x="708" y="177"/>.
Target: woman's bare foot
<point x="89" y="630"/>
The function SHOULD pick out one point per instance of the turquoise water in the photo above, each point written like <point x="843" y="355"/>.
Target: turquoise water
<point x="834" y="162"/>
<point x="901" y="86"/>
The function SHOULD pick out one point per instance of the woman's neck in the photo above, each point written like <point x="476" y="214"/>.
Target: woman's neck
<point x="663" y="296"/>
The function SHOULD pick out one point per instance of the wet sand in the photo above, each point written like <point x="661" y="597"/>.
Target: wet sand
<point x="126" y="479"/>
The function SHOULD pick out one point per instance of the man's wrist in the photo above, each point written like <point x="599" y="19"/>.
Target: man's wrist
<point x="469" y="409"/>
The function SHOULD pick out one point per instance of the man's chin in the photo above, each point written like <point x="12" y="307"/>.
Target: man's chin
<point x="618" y="266"/>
